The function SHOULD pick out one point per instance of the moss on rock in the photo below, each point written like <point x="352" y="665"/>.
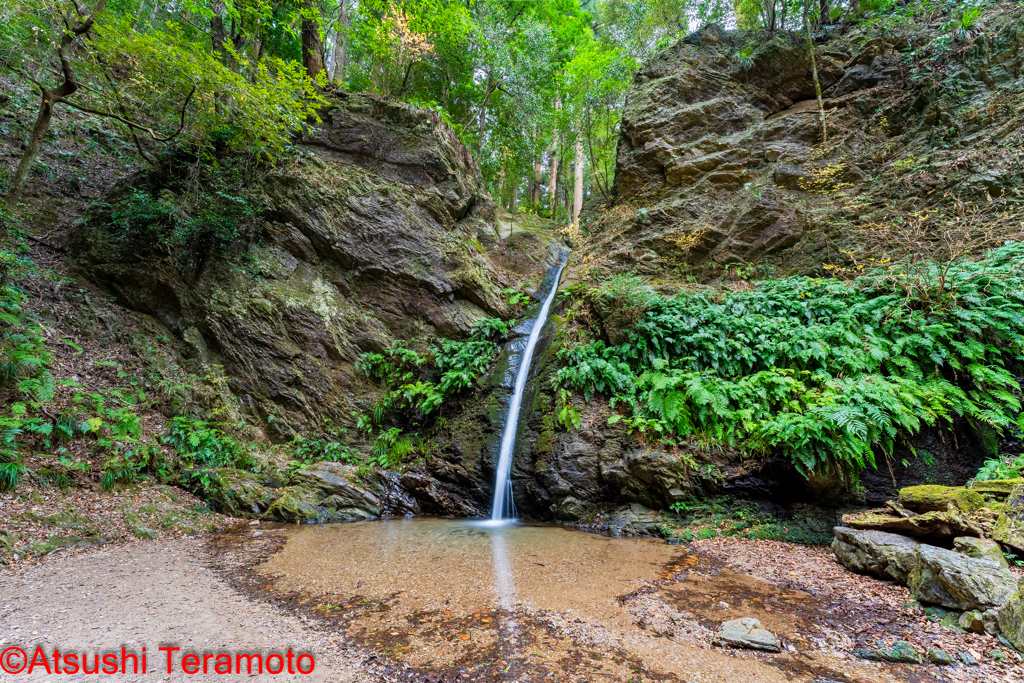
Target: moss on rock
<point x="932" y="498"/>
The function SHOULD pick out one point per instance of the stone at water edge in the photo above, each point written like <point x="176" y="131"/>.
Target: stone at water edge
<point x="889" y="556"/>
<point x="1011" y="620"/>
<point x="747" y="633"/>
<point x="947" y="578"/>
<point x="980" y="548"/>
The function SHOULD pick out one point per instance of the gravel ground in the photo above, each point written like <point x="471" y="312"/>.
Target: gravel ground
<point x="151" y="594"/>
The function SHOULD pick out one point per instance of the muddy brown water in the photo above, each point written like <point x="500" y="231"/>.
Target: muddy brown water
<point x="459" y="600"/>
<point x="470" y="565"/>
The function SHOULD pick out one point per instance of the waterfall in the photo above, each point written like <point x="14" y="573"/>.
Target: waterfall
<point x="504" y="507"/>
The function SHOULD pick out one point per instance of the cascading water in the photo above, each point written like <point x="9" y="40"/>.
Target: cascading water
<point x="504" y="507"/>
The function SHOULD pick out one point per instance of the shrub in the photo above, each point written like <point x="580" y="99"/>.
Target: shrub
<point x="205" y="445"/>
<point x="823" y="371"/>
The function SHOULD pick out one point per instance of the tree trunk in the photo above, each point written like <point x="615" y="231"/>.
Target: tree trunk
<point x="824" y="11"/>
<point x="312" y="48"/>
<point x="512" y="200"/>
<point x="814" y="71"/>
<point x="218" y="36"/>
<point x="501" y="187"/>
<point x="339" y="45"/>
<point x="538" y="169"/>
<point x="553" y="168"/>
<point x="35" y="141"/>
<point x="49" y="98"/>
<point x="854" y="7"/>
<point x="577" y="194"/>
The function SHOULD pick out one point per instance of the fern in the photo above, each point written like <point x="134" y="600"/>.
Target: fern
<point x="825" y="372"/>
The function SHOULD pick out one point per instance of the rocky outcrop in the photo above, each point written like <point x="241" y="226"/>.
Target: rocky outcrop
<point x="947" y="578"/>
<point x="366" y="233"/>
<point x="720" y="161"/>
<point x="889" y="556"/>
<point x="934" y="575"/>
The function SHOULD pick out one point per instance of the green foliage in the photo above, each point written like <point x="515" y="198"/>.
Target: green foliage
<point x="327" y="448"/>
<point x="822" y="371"/>
<point x="390" y="448"/>
<point x="213" y="220"/>
<point x="1001" y="468"/>
<point x="515" y="298"/>
<point x="201" y="444"/>
<point x="566" y="413"/>
<point x="453" y="365"/>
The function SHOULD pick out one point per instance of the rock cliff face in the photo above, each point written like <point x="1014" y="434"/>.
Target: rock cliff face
<point x="722" y="169"/>
<point x="372" y="229"/>
<point x="721" y="160"/>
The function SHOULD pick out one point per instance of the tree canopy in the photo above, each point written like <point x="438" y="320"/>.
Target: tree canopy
<point x="535" y="88"/>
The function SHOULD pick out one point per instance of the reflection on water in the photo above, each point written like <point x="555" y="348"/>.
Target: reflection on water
<point x="460" y="564"/>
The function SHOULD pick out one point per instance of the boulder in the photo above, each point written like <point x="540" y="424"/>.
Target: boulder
<point x="930" y="498"/>
<point x="1011" y="620"/>
<point x="885" y="555"/>
<point x="324" y="492"/>
<point x="997" y="488"/>
<point x="747" y="633"/>
<point x="239" y="493"/>
<point x="934" y="526"/>
<point x="980" y="548"/>
<point x="901" y="652"/>
<point x="947" y="578"/>
<point x="300" y="504"/>
<point x="1009" y="528"/>
<point x="972" y="621"/>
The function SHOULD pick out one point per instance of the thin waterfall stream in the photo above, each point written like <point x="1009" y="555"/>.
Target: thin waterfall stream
<point x="504" y="507"/>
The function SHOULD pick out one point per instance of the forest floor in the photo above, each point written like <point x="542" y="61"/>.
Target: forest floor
<point x="215" y="593"/>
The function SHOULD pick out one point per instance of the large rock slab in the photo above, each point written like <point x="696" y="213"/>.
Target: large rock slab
<point x="747" y="633"/>
<point x="335" y="480"/>
<point x="947" y="578"/>
<point x="1009" y="528"/>
<point x="934" y="526"/>
<point x="882" y="554"/>
<point x="997" y="488"/>
<point x="931" y="498"/>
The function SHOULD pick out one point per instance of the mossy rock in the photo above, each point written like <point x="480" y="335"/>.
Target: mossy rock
<point x="998" y="488"/>
<point x="935" y="526"/>
<point x="240" y="494"/>
<point x="1009" y="528"/>
<point x="933" y="498"/>
<point x="1011" y="620"/>
<point x="301" y="504"/>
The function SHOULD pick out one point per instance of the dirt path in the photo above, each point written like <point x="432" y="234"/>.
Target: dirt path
<point x="151" y="594"/>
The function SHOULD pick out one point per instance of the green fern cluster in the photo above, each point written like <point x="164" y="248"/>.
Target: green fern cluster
<point x="423" y="382"/>
<point x="826" y="372"/>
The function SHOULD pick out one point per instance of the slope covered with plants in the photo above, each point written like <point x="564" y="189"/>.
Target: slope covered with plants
<point x="822" y="372"/>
